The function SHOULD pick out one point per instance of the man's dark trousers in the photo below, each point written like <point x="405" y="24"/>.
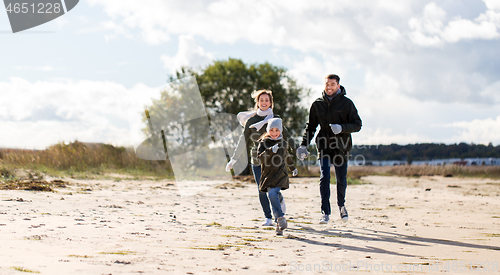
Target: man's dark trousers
<point x="340" y="165"/>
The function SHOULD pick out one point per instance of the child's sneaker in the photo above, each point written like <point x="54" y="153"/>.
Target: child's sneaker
<point x="282" y="223"/>
<point x="279" y="232"/>
<point x="267" y="222"/>
<point x="343" y="214"/>
<point x="324" y="219"/>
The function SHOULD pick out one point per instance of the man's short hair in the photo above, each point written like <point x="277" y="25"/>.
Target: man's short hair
<point x="333" y="76"/>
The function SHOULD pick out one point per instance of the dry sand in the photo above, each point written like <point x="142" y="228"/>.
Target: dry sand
<point x="136" y="227"/>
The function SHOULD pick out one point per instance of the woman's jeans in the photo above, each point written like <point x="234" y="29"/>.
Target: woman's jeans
<point x="264" y="201"/>
<point x="324" y="183"/>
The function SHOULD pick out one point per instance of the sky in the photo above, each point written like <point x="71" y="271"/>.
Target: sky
<point x="417" y="71"/>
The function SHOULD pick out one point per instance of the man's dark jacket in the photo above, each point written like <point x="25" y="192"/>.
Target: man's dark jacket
<point x="338" y="110"/>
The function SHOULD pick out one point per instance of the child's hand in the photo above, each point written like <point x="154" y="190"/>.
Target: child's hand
<point x="275" y="148"/>
<point x="295" y="172"/>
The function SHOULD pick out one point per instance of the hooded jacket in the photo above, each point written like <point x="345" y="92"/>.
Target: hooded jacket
<point x="249" y="137"/>
<point x="338" y="110"/>
<point x="274" y="172"/>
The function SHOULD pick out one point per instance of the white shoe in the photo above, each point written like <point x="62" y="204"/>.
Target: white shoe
<point x="343" y="214"/>
<point x="324" y="219"/>
<point x="267" y="222"/>
<point x="283" y="205"/>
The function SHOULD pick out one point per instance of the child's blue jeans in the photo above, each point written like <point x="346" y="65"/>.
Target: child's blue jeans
<point x="274" y="197"/>
<point x="264" y="201"/>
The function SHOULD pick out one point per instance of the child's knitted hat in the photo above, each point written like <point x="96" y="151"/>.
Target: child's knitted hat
<point x="275" y="123"/>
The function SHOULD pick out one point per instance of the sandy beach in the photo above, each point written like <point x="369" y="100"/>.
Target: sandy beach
<point x="424" y="225"/>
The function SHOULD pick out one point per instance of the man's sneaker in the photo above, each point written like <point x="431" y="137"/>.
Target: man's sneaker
<point x="343" y="214"/>
<point x="267" y="222"/>
<point x="324" y="219"/>
<point x="283" y="205"/>
<point x="279" y="232"/>
<point x="282" y="223"/>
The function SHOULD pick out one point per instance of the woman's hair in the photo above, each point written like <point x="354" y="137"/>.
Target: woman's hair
<point x="256" y="95"/>
<point x="264" y="136"/>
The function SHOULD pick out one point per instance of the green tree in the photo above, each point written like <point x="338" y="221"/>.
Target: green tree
<point x="226" y="87"/>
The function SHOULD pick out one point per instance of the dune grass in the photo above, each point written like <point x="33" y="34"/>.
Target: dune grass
<point x="80" y="160"/>
<point x="356" y="172"/>
<point x="427" y="170"/>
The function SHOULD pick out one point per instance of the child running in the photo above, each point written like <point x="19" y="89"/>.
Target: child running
<point x="273" y="156"/>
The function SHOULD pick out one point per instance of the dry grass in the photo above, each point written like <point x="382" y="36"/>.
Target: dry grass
<point x="356" y="172"/>
<point x="32" y="185"/>
<point x="79" y="158"/>
<point x="426" y="170"/>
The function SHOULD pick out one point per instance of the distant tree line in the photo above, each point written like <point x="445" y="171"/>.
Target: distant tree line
<point x="426" y="151"/>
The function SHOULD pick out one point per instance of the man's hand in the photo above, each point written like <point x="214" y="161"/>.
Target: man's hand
<point x="302" y="152"/>
<point x="275" y="148"/>
<point x="336" y="128"/>
<point x="230" y="164"/>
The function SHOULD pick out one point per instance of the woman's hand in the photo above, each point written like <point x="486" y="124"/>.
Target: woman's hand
<point x="230" y="164"/>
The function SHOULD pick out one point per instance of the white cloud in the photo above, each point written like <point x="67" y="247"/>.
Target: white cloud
<point x="390" y="116"/>
<point x="492" y="4"/>
<point x="45" y="68"/>
<point x="492" y="92"/>
<point x="316" y="25"/>
<point x="150" y="18"/>
<point x="491" y="17"/>
<point x="308" y="70"/>
<point x="430" y="30"/>
<point x="82" y="19"/>
<point x="386" y="39"/>
<point x="345" y="37"/>
<point x="311" y="70"/>
<point x="431" y="21"/>
<point x="479" y="131"/>
<point x="425" y="40"/>
<point x="188" y="54"/>
<point x="39" y="114"/>
<point x="427" y="28"/>
<point x="465" y="29"/>
<point x="155" y="36"/>
<point x="116" y="29"/>
<point x="394" y="37"/>
<point x="41" y="134"/>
